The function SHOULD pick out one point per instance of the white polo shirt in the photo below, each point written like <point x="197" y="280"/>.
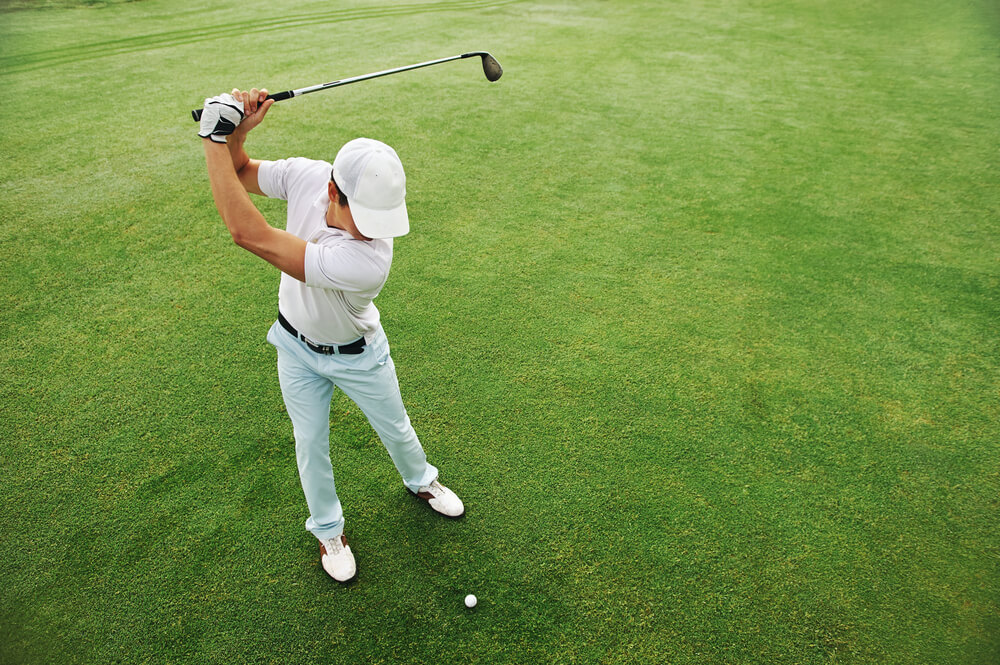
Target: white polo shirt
<point x="343" y="274"/>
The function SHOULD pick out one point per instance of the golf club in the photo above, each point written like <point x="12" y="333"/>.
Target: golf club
<point x="491" y="68"/>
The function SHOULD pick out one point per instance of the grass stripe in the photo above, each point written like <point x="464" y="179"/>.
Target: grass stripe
<point x="23" y="62"/>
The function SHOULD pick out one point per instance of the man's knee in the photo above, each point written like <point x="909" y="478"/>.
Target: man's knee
<point x="397" y="431"/>
<point x="312" y="442"/>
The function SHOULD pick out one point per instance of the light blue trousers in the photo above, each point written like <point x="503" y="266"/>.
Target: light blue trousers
<point x="308" y="380"/>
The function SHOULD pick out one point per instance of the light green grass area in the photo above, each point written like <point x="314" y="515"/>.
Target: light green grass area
<point x="698" y="315"/>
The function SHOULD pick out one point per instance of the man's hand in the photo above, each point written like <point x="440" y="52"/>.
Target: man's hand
<point x="220" y="117"/>
<point x="255" y="106"/>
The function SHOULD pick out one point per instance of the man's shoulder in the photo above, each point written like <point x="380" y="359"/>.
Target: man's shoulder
<point x="378" y="252"/>
<point x="303" y="166"/>
<point x="292" y="177"/>
<point x="291" y="168"/>
<point x="345" y="263"/>
<point x="304" y="179"/>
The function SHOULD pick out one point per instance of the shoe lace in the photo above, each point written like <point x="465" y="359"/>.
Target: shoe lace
<point x="333" y="545"/>
<point x="435" y="488"/>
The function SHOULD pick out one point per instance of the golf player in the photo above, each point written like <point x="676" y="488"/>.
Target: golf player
<point x="334" y="258"/>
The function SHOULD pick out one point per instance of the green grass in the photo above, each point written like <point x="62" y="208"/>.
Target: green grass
<point x="699" y="315"/>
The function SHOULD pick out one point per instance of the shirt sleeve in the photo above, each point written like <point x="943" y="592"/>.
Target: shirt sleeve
<point x="271" y="178"/>
<point x="342" y="268"/>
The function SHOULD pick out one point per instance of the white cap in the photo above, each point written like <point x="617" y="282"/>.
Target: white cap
<point x="371" y="176"/>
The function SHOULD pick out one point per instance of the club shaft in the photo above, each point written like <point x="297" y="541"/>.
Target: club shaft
<point x="288" y="94"/>
<point x="365" y="77"/>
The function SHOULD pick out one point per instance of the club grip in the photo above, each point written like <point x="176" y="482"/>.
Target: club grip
<point x="278" y="96"/>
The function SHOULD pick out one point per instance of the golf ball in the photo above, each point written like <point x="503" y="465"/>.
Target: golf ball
<point x="470" y="601"/>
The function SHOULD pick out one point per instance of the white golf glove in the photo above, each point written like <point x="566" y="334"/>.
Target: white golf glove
<point x="220" y="117"/>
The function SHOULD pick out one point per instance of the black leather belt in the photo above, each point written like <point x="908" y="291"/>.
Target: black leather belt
<point x="355" y="347"/>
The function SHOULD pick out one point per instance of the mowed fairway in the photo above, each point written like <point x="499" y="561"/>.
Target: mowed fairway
<point x="699" y="315"/>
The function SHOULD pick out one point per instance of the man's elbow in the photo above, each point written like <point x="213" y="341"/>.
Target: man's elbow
<point x="247" y="231"/>
<point x="248" y="240"/>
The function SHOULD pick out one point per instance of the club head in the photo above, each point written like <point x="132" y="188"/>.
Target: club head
<point x="491" y="67"/>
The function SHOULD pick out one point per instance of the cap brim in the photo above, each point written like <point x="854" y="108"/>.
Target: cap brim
<point x="375" y="223"/>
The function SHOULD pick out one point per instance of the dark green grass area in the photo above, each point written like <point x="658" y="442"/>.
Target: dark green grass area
<point x="698" y="315"/>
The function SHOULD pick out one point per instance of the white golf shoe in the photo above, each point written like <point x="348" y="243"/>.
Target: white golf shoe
<point x="442" y="499"/>
<point x="337" y="558"/>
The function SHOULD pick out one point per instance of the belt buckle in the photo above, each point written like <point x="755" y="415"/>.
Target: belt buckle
<point x="323" y="349"/>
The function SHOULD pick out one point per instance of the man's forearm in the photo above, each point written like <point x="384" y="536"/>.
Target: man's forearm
<point x="240" y="215"/>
